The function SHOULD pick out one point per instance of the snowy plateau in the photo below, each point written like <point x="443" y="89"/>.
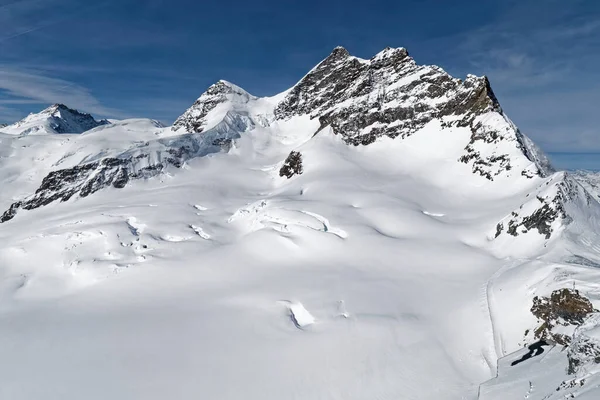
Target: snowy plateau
<point x="381" y="230"/>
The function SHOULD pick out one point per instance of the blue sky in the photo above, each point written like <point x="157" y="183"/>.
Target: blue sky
<point x="153" y="58"/>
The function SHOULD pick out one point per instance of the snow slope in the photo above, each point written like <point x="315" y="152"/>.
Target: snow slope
<point x="148" y="262"/>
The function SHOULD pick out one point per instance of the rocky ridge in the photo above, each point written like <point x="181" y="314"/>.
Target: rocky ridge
<point x="361" y="101"/>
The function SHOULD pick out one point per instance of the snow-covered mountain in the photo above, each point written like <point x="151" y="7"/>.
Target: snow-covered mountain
<point x="590" y="180"/>
<point x="57" y="118"/>
<point x="379" y="230"/>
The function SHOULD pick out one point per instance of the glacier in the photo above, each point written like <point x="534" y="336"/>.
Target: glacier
<point x="400" y="261"/>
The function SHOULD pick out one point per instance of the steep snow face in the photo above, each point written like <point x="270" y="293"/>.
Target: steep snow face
<point x="378" y="227"/>
<point x="54" y="119"/>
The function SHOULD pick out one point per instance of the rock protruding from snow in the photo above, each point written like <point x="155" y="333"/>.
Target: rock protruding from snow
<point x="55" y="119"/>
<point x="560" y="314"/>
<point x="556" y="202"/>
<point x="292" y="165"/>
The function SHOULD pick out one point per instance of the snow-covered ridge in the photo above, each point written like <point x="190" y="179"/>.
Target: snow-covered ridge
<point x="55" y="119"/>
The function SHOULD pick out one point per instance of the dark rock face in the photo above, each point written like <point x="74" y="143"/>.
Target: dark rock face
<point x="541" y="219"/>
<point x="67" y="120"/>
<point x="482" y="165"/>
<point x="566" y="307"/>
<point x="351" y="94"/>
<point x="292" y="165"/>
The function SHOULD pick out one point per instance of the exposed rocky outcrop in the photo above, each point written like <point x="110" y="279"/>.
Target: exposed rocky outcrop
<point x="547" y="210"/>
<point x="541" y="219"/>
<point x="564" y="308"/>
<point x="388" y="95"/>
<point x="292" y="165"/>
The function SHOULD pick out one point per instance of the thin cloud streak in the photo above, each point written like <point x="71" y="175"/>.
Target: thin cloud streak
<point x="31" y="86"/>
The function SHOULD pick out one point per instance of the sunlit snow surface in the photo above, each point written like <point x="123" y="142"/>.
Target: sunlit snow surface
<point x="370" y="276"/>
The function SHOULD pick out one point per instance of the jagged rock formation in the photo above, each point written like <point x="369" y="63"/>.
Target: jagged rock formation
<point x="564" y="308"/>
<point x="57" y="118"/>
<point x="292" y="165"/>
<point x="390" y="95"/>
<point x="541" y="219"/>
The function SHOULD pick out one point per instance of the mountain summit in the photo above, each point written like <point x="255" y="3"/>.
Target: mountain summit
<point x="381" y="229"/>
<point x="56" y="119"/>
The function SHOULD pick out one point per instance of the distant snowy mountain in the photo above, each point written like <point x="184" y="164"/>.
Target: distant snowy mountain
<point x="590" y="180"/>
<point x="379" y="230"/>
<point x="57" y="118"/>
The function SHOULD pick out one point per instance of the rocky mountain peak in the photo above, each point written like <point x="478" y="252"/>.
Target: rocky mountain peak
<point x="57" y="109"/>
<point x="194" y="119"/>
<point x="389" y="56"/>
<point x="388" y="95"/>
<point x="58" y="118"/>
<point x="338" y="54"/>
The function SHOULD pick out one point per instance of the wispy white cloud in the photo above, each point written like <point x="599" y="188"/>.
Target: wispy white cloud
<point x="543" y="65"/>
<point x="19" y="86"/>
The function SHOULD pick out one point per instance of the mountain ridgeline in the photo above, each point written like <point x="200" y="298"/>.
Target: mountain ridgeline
<point x="359" y="100"/>
<point x="56" y="119"/>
